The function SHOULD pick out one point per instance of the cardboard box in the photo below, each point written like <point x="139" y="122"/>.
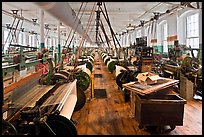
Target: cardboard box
<point x="148" y="78"/>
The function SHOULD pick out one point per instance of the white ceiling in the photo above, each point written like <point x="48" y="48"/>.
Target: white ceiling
<point x="120" y="13"/>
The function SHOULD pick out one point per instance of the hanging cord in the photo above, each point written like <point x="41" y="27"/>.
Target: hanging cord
<point x="112" y="33"/>
<point x="20" y="26"/>
<point x="87" y="27"/>
<point x="100" y="37"/>
<point x="85" y="34"/>
<point x="101" y="40"/>
<point x="74" y="23"/>
<point x="19" y="29"/>
<point x="107" y="20"/>
<point x="14" y="33"/>
<point x="110" y="26"/>
<point x="10" y="29"/>
<point x="76" y="26"/>
<point x="103" y="30"/>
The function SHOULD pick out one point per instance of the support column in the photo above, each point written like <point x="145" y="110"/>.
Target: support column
<point x="42" y="34"/>
<point x="58" y="32"/>
<point x="35" y="41"/>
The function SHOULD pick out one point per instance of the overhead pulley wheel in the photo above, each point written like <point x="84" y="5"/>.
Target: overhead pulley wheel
<point x="60" y="125"/>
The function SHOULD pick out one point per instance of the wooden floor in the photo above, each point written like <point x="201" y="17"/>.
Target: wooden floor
<point x="112" y="116"/>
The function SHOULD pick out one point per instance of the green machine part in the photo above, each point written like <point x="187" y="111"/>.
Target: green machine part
<point x="187" y="62"/>
<point x="83" y="80"/>
<point x="111" y="66"/>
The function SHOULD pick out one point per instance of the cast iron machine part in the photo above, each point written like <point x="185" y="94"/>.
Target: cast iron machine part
<point x="42" y="119"/>
<point x="126" y="76"/>
<point x="191" y="70"/>
<point x="83" y="82"/>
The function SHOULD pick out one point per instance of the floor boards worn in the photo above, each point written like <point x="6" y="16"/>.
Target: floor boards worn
<point x="112" y="116"/>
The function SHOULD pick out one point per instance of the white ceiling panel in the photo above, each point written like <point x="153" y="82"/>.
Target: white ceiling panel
<point x="120" y="13"/>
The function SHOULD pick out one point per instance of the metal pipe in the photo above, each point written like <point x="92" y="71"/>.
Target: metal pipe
<point x="63" y="12"/>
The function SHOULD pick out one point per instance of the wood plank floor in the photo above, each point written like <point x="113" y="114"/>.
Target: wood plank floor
<point x="112" y="116"/>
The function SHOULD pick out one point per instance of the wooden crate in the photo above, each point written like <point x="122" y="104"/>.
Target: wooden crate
<point x="159" y="110"/>
<point x="186" y="88"/>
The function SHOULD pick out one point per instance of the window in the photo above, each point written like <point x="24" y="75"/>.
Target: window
<point x="192" y="31"/>
<point x="30" y="40"/>
<point x="139" y="34"/>
<point x="20" y="38"/>
<point x="164" y="37"/>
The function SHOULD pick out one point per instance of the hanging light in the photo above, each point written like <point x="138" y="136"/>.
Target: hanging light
<point x="130" y="27"/>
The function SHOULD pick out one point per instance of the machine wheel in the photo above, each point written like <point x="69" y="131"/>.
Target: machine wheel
<point x="60" y="126"/>
<point x="81" y="100"/>
<point x="172" y="127"/>
<point x="140" y="126"/>
<point x="160" y="130"/>
<point x="8" y="128"/>
<point x="83" y="80"/>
